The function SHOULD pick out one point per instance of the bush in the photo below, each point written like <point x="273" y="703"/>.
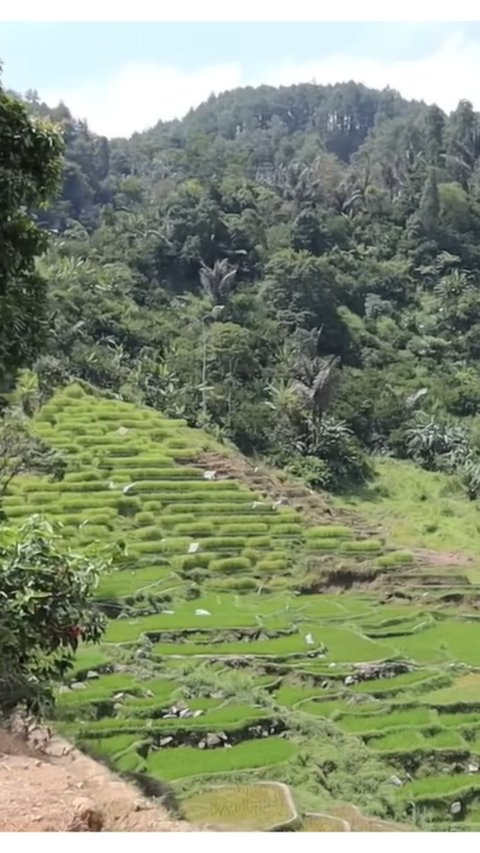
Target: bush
<point x="47" y="606"/>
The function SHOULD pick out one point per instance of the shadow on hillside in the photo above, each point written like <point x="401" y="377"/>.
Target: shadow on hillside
<point x="365" y="494"/>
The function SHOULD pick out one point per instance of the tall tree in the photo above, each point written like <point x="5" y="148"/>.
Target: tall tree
<point x="30" y="165"/>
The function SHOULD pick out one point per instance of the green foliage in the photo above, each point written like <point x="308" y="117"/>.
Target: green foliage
<point x="28" y="178"/>
<point x="21" y="451"/>
<point x="46" y="594"/>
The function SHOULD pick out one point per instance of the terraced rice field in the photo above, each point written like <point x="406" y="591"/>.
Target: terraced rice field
<point x="245" y="643"/>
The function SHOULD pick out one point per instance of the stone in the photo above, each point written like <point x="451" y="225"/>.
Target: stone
<point x="64" y="688"/>
<point x="186" y="713"/>
<point x="223" y="736"/>
<point x="86" y="817"/>
<point x="197" y="713"/>
<point x="92" y="674"/>
<point x="472" y="768"/>
<point x="349" y="680"/>
<point x="210" y="475"/>
<point x="456" y="807"/>
<point x="165" y="741"/>
<point x="212" y="740"/>
<point x="202" y="744"/>
<point x="324" y="684"/>
<point x="78" y="685"/>
<point x="118" y="696"/>
<point x="201" y="612"/>
<point x="193" y="547"/>
<point x="257" y="504"/>
<point x="309" y="640"/>
<point x="396" y="781"/>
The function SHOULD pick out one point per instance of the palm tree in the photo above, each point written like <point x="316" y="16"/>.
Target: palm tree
<point x="315" y="375"/>
<point x="217" y="281"/>
<point x="316" y="387"/>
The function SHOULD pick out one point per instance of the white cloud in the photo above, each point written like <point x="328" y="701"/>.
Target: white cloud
<point x="140" y="94"/>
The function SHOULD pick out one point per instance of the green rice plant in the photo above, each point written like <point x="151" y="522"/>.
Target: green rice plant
<point x="330" y="709"/>
<point x="147" y="533"/>
<point x="241" y="583"/>
<point x="395" y="558"/>
<point x="200" y="560"/>
<point x="161" y="546"/>
<point x="289" y="695"/>
<point x="256" y="807"/>
<point x="128" y="506"/>
<point x="213" y="508"/>
<point x="152" y="506"/>
<point x="450" y="739"/>
<point x="260" y="542"/>
<point x="93" y="533"/>
<point x="109" y="747"/>
<point x="224" y="612"/>
<point x="327" y="531"/>
<point x="189" y="761"/>
<point x="182" y="454"/>
<point x="230" y="565"/>
<point x="464" y="690"/>
<point x="410" y="718"/>
<point x="97" y="690"/>
<point x="448" y="640"/>
<point x="392" y="685"/>
<point x="251" y="555"/>
<point x="144" y="463"/>
<point x="171" y="519"/>
<point x="362" y="546"/>
<point x="271" y="565"/>
<point x="243" y="529"/>
<point x="130" y="762"/>
<point x="130" y="583"/>
<point x="291" y="644"/>
<point x="17" y="511"/>
<point x="224" y="543"/>
<point x="401" y="741"/>
<point x="459" y="719"/>
<point x="439" y="787"/>
<point x="84" y="476"/>
<point x="319" y="545"/>
<point x="197" y="528"/>
<point x="145" y="518"/>
<point x="287" y="530"/>
<point x="88" y="657"/>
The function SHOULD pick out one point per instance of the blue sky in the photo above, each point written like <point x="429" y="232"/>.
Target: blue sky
<point x="123" y="77"/>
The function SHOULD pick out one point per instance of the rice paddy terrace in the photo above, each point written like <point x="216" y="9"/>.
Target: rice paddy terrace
<point x="250" y="643"/>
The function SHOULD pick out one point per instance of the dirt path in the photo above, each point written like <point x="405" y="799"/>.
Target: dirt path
<point x="63" y="790"/>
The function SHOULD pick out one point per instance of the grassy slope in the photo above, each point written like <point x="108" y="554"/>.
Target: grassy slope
<point x="418" y="508"/>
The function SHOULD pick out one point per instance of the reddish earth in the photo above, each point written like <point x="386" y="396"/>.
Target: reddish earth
<point x="59" y="789"/>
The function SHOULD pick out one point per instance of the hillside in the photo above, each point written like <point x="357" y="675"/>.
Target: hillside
<point x="295" y="270"/>
<point x="257" y="636"/>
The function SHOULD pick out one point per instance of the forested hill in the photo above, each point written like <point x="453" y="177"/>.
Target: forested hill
<point x="296" y="269"/>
